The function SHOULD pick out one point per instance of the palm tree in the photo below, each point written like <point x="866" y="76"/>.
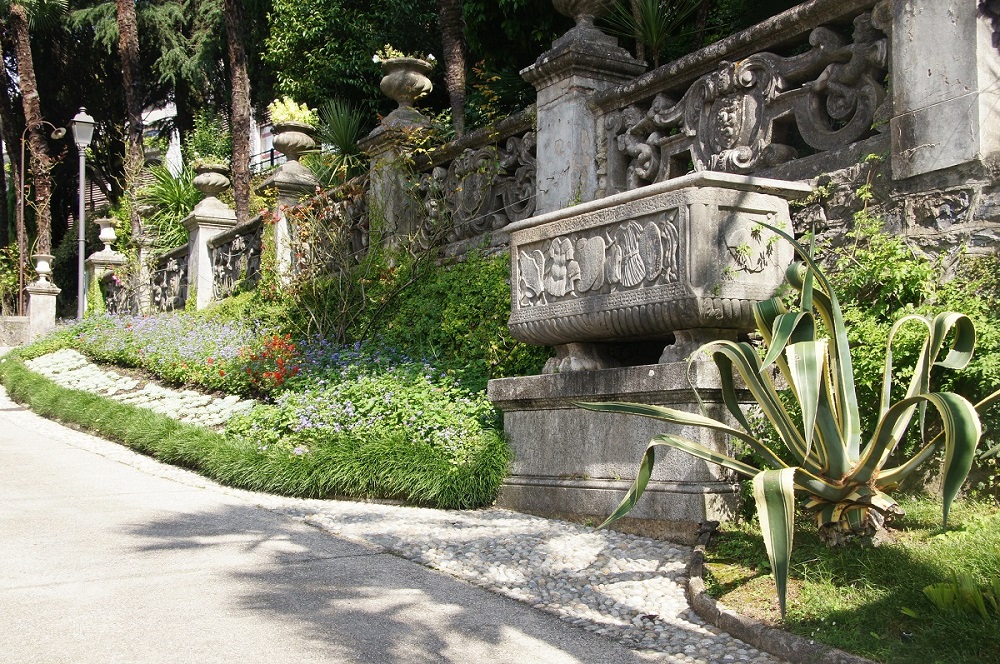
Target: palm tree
<point x="128" y="50"/>
<point x="240" y="108"/>
<point x="453" y="43"/>
<point x="16" y="24"/>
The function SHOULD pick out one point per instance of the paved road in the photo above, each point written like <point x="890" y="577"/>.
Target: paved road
<point x="107" y="556"/>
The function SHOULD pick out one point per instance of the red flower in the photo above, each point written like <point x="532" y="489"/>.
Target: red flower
<point x="209" y="361"/>
<point x="221" y="372"/>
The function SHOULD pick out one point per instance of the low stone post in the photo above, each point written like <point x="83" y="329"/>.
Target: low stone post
<point x="209" y="218"/>
<point x="42" y="299"/>
<point x="946" y="101"/>
<point x="581" y="63"/>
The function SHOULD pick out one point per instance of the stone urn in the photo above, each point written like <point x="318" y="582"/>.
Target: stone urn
<point x="405" y="80"/>
<point x="107" y="234"/>
<point x="43" y="267"/>
<point x="583" y="11"/>
<point x="211" y="179"/>
<point x="293" y="139"/>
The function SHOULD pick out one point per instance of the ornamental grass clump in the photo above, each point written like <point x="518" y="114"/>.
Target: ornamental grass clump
<point x="821" y="453"/>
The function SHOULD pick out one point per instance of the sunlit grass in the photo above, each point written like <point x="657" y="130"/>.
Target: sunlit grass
<point x="861" y="598"/>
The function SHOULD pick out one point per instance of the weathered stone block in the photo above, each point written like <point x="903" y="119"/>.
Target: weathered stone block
<point x="578" y="464"/>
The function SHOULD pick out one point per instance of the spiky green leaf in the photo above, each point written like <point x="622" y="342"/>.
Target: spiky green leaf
<point x="774" y="493"/>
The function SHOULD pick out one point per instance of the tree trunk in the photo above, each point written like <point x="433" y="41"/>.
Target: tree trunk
<point x="41" y="163"/>
<point x="701" y="23"/>
<point x="640" y="48"/>
<point x="128" y="50"/>
<point x="453" y="43"/>
<point x="240" y="113"/>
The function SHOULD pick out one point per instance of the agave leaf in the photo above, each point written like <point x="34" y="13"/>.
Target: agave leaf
<point x="649" y="459"/>
<point x="824" y="300"/>
<point x="788" y="328"/>
<point x="806" y="362"/>
<point x="684" y="418"/>
<point x="961" y="431"/>
<point x="774" y="493"/>
<point x="745" y="360"/>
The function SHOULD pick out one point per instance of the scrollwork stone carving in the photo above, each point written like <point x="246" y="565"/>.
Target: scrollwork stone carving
<point x="743" y="116"/>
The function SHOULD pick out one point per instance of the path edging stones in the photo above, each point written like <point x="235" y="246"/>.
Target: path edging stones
<point x="792" y="647"/>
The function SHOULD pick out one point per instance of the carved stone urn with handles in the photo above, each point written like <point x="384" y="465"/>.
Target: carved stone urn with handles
<point x="404" y="80"/>
<point x="293" y="139"/>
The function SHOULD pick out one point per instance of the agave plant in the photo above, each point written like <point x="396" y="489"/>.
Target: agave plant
<point x="823" y="457"/>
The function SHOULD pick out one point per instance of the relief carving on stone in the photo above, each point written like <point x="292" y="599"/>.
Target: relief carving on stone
<point x="622" y="257"/>
<point x="237" y="261"/>
<point x="170" y="284"/>
<point x="483" y="189"/>
<point x="743" y="116"/>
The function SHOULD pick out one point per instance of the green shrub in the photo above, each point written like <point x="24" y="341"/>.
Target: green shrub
<point x="457" y="315"/>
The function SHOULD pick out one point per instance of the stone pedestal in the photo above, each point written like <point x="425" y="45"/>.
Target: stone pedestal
<point x="209" y="218"/>
<point x="99" y="264"/>
<point x="581" y="63"/>
<point x="578" y="464"/>
<point x="389" y="202"/>
<point x="946" y="102"/>
<point x="293" y="182"/>
<point x="41" y="308"/>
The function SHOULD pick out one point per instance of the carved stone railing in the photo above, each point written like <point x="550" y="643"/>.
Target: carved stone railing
<point x="479" y="184"/>
<point x="170" y="280"/>
<point x="737" y="107"/>
<point x="236" y="257"/>
<point x="331" y="230"/>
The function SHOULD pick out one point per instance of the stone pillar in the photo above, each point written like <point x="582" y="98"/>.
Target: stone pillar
<point x="946" y="102"/>
<point x="293" y="182"/>
<point x="581" y="62"/>
<point x="405" y="80"/>
<point x="209" y="218"/>
<point x="42" y="299"/>
<point x="97" y="265"/>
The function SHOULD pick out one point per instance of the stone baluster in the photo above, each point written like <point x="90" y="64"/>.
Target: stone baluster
<point x="209" y="218"/>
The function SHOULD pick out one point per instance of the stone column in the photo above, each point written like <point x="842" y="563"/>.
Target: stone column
<point x="580" y="63"/>
<point x="946" y="101"/>
<point x="209" y="218"/>
<point x="42" y="299"/>
<point x="405" y="80"/>
<point x="293" y="182"/>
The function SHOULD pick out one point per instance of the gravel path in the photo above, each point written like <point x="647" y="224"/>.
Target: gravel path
<point x="622" y="586"/>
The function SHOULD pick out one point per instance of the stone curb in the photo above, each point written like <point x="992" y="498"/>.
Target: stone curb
<point x="792" y="647"/>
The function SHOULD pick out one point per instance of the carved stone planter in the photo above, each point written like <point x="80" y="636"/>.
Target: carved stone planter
<point x="405" y="80"/>
<point x="211" y="179"/>
<point x="293" y="139"/>
<point x="682" y="261"/>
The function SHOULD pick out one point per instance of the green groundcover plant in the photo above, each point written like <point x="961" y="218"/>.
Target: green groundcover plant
<point x="822" y="454"/>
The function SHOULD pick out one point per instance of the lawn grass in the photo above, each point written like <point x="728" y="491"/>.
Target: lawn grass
<point x="858" y="598"/>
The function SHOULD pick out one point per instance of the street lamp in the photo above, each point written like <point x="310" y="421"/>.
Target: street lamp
<point x="83" y="133"/>
<point x="22" y="241"/>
